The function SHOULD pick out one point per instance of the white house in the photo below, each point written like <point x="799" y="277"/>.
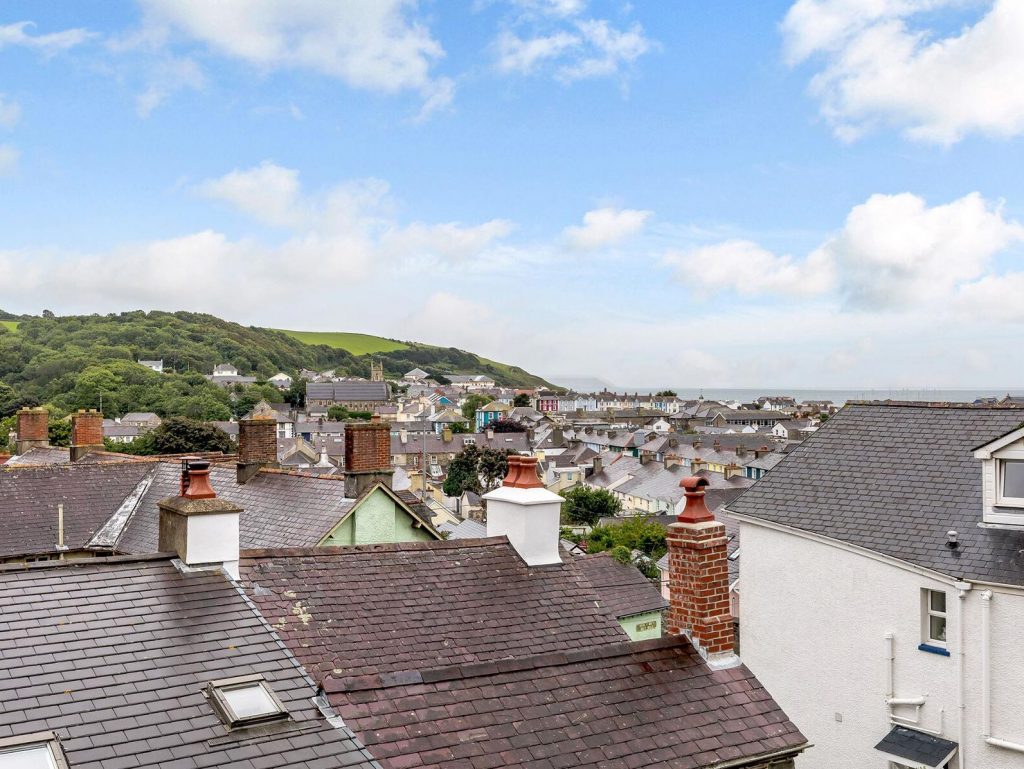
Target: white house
<point x="883" y="587"/>
<point x="281" y="380"/>
<point x="153" y="365"/>
<point x="225" y="369"/>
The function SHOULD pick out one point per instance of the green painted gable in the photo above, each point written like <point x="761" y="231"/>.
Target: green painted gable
<point x="375" y="519"/>
<point x="640" y="627"/>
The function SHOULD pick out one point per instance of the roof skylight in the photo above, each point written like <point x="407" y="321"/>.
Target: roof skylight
<point x="33" y="751"/>
<point x="244" y="701"/>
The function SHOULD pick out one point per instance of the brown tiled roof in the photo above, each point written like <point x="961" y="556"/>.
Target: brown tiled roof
<point x="113" y="655"/>
<point x="617" y="706"/>
<point x="380" y="608"/>
<point x="29" y="497"/>
<point x="279" y="509"/>
<point x="620" y="586"/>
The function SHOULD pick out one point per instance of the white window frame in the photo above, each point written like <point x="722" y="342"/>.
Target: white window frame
<point x="35" y="740"/>
<point x="1001" y="500"/>
<point x="927" y="612"/>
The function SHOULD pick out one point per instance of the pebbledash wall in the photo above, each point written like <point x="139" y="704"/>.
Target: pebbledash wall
<point x="815" y="617"/>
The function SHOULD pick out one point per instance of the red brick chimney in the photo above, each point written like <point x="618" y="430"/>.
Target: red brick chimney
<point x="86" y="433"/>
<point x="257" y="446"/>
<point x="367" y="456"/>
<point x="698" y="569"/>
<point x="33" y="429"/>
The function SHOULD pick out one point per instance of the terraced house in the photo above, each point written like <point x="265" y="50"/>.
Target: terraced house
<point x="469" y="653"/>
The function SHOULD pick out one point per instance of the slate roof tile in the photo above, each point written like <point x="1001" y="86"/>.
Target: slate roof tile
<point x="618" y="706"/>
<point x="621" y="587"/>
<point x="895" y="478"/>
<point x="445" y="602"/>
<point x="113" y="656"/>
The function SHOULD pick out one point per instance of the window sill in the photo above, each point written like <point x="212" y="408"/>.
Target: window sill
<point x="933" y="649"/>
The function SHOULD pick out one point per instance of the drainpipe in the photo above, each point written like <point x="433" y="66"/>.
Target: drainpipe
<point x="962" y="588"/>
<point x="986" y="677"/>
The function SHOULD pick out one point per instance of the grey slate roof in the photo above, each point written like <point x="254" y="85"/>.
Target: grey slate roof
<point x="621" y="587"/>
<point x="894" y="478"/>
<point x="113" y="657"/>
<point x="347" y="391"/>
<point x="467" y="529"/>
<point x="279" y="510"/>
<point x="90" y="493"/>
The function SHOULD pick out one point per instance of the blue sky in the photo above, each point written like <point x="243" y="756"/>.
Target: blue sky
<point x="779" y="194"/>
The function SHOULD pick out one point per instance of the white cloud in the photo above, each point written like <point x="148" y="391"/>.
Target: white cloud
<point x="879" y="69"/>
<point x="268" y="192"/>
<point x="894" y="252"/>
<point x="375" y="45"/>
<point x="47" y="44"/>
<point x="10" y="112"/>
<point x="166" y="76"/>
<point x="606" y="227"/>
<point x="9" y="156"/>
<point x="994" y="297"/>
<point x="557" y="35"/>
<point x="749" y="269"/>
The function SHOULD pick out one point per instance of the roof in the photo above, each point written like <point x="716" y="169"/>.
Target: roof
<point x="917" y="747"/>
<point x="446" y="603"/>
<point x="113" y="656"/>
<point x="618" y="706"/>
<point x="42" y="455"/>
<point x="621" y="586"/>
<point x="90" y="493"/>
<point x="351" y="390"/>
<point x="280" y="509"/>
<point x="467" y="529"/>
<point x="895" y="478"/>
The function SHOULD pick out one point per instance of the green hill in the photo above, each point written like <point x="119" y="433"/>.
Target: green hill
<point x="76" y="361"/>
<point x="357" y="344"/>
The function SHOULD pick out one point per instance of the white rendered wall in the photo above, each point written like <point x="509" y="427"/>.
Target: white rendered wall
<point x="814" y="623"/>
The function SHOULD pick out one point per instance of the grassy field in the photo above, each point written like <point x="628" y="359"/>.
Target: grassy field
<point x="357" y="344"/>
<point x="10" y="325"/>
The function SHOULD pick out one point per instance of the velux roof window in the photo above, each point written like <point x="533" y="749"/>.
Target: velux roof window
<point x="32" y="751"/>
<point x="244" y="701"/>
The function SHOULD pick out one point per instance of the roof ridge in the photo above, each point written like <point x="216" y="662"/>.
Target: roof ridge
<point x="384" y="547"/>
<point x="937" y="405"/>
<point x="97" y="561"/>
<point x="506" y="665"/>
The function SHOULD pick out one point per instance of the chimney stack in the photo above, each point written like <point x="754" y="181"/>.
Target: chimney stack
<point x="257" y="446"/>
<point x="446" y="434"/>
<point x="86" y="433"/>
<point x="597" y="464"/>
<point x="525" y="512"/>
<point x="201" y="528"/>
<point x="33" y="429"/>
<point x="698" y="567"/>
<point x="367" y="456"/>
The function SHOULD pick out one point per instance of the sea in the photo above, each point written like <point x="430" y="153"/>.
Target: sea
<point x="837" y="396"/>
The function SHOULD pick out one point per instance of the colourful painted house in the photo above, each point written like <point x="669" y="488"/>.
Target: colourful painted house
<point x="382" y="515"/>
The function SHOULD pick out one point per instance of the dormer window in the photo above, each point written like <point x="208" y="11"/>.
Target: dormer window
<point x="1002" y="473"/>
<point x="1010" y="482"/>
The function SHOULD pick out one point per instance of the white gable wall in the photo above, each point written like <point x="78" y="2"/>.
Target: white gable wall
<point x="815" y="616"/>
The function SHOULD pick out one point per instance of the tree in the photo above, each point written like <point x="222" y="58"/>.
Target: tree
<point x="521" y="400"/>
<point x="59" y="432"/>
<point x="634" y="533"/>
<point x="666" y="394"/>
<point x="475" y="469"/>
<point x="342" y="414"/>
<point x="506" y="425"/>
<point x="472" y="403"/>
<point x="179" y="435"/>
<point x="585" y="506"/>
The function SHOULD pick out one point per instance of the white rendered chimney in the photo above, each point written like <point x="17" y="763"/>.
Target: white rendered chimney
<point x="527" y="513"/>
<point x="201" y="528"/>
